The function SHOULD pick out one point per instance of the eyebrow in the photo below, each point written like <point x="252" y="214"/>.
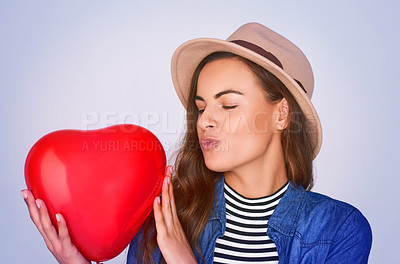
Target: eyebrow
<point x="218" y="95"/>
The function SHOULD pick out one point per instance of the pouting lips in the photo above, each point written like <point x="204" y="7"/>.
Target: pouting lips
<point x="209" y="143"/>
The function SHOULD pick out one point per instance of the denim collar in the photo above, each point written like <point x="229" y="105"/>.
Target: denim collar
<point x="220" y="209"/>
<point x="285" y="217"/>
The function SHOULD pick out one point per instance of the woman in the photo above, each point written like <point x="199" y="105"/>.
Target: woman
<point x="243" y="175"/>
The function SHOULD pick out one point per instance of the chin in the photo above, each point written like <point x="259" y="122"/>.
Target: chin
<point x="216" y="165"/>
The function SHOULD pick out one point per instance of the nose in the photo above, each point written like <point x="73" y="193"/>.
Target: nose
<point x="207" y="119"/>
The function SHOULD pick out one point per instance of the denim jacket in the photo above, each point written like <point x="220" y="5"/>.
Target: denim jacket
<point x="306" y="228"/>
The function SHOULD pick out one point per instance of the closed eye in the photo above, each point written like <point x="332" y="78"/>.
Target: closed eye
<point x="229" y="106"/>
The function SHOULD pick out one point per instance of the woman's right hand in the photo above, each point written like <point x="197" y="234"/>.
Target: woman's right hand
<point x="59" y="244"/>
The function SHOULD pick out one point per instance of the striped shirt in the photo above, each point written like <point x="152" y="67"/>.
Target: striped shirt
<point x="245" y="239"/>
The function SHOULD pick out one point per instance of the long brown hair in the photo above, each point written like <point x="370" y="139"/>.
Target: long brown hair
<point x="194" y="183"/>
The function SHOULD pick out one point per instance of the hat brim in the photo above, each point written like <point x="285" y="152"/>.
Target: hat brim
<point x="188" y="55"/>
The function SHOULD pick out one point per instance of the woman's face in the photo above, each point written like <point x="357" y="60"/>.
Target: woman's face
<point x="236" y="126"/>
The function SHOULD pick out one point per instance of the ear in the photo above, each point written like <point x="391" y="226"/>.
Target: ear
<point x="282" y="120"/>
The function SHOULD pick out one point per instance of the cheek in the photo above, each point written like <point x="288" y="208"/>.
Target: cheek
<point x="198" y="130"/>
<point x="251" y="136"/>
<point x="263" y="123"/>
<point x="247" y="134"/>
<point x="249" y="123"/>
<point x="246" y="143"/>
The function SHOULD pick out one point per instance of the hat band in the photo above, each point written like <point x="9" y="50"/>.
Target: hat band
<point x="259" y="50"/>
<point x="268" y="55"/>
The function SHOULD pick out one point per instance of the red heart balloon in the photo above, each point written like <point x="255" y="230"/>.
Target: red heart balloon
<point x="102" y="181"/>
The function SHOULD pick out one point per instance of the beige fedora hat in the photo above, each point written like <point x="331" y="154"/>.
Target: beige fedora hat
<point x="264" y="47"/>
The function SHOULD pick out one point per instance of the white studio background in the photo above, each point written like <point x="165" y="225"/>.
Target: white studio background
<point x="90" y="64"/>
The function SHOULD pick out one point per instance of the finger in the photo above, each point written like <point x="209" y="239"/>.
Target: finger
<point x="63" y="233"/>
<point x="172" y="198"/>
<point x="158" y="217"/>
<point x="35" y="215"/>
<point x="165" y="202"/>
<point x="48" y="228"/>
<point x="32" y="208"/>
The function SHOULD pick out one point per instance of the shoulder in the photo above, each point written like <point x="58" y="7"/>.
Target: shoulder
<point x="324" y="220"/>
<point x="327" y="210"/>
<point x="308" y="208"/>
<point x="332" y="221"/>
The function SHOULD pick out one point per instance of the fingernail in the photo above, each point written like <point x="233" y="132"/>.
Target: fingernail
<point x="170" y="169"/>
<point x="37" y="204"/>
<point x="58" y="218"/>
<point x="24" y="195"/>
<point x="158" y="199"/>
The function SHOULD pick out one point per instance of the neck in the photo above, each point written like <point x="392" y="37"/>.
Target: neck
<point x="261" y="177"/>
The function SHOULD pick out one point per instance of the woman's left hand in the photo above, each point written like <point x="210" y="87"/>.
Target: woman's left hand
<point x="171" y="238"/>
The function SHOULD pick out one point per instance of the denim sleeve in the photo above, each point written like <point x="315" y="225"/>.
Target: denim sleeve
<point x="134" y="256"/>
<point x="352" y="242"/>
